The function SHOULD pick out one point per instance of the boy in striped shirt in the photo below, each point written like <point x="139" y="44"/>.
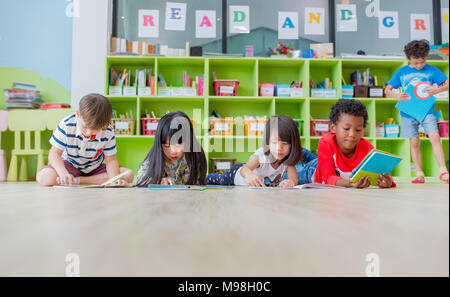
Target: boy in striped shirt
<point x="81" y="144"/>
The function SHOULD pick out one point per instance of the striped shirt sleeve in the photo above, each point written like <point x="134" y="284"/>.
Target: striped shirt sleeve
<point x="59" y="137"/>
<point x="110" y="148"/>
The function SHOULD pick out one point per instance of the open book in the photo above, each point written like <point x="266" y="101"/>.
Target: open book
<point x="375" y="163"/>
<point x="299" y="187"/>
<point x="107" y="184"/>
<point x="186" y="187"/>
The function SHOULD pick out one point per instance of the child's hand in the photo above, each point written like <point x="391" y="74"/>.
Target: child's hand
<point x="66" y="179"/>
<point x="287" y="183"/>
<point x="402" y="97"/>
<point x="254" y="180"/>
<point x="364" y="182"/>
<point x="433" y="91"/>
<point x="121" y="182"/>
<point x="167" y="182"/>
<point x="384" y="181"/>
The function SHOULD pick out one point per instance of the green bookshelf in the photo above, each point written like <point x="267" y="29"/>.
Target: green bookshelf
<point x="251" y="72"/>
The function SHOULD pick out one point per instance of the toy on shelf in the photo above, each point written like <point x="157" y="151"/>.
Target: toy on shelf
<point x="123" y="124"/>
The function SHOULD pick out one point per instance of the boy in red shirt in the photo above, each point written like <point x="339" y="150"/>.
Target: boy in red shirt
<point x="341" y="150"/>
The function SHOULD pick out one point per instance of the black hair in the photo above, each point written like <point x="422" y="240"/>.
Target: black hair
<point x="417" y="49"/>
<point x="287" y="131"/>
<point x="348" y="106"/>
<point x="177" y="128"/>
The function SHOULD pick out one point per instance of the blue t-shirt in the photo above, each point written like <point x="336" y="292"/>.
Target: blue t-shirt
<point x="406" y="76"/>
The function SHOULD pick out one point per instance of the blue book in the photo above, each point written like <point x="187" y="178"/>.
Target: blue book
<point x="374" y="164"/>
<point x="420" y="102"/>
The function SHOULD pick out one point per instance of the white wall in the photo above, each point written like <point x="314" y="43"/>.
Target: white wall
<point x="91" y="31"/>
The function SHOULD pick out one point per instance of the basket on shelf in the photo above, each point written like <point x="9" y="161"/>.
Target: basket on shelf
<point x="222" y="165"/>
<point x="221" y="127"/>
<point x="254" y="127"/>
<point x="319" y="127"/>
<point x="123" y="126"/>
<point x="224" y="87"/>
<point x="149" y="126"/>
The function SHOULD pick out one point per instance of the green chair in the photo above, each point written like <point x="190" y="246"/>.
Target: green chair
<point x="3" y="127"/>
<point x="54" y="117"/>
<point x="24" y="123"/>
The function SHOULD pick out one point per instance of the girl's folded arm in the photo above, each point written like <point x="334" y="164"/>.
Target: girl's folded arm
<point x="308" y="156"/>
<point x="292" y="174"/>
<point x="250" y="166"/>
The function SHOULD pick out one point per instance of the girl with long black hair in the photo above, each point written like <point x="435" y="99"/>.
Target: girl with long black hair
<point x="176" y="157"/>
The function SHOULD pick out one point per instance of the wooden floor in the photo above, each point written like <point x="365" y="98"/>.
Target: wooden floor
<point x="239" y="232"/>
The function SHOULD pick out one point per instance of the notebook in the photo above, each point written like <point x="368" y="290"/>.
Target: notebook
<point x="375" y="163"/>
<point x="420" y="102"/>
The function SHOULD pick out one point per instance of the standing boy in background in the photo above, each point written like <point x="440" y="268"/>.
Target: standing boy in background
<point x="416" y="72"/>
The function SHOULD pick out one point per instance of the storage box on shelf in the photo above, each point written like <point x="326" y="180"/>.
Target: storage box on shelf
<point x="149" y="126"/>
<point x="222" y="165"/>
<point x="124" y="126"/>
<point x="221" y="127"/>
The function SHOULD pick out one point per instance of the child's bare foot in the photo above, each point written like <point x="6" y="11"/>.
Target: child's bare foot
<point x="444" y="177"/>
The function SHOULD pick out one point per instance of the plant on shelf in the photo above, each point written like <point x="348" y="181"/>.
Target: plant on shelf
<point x="282" y="50"/>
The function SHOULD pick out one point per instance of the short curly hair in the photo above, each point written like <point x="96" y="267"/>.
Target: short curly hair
<point x="417" y="49"/>
<point x="348" y="106"/>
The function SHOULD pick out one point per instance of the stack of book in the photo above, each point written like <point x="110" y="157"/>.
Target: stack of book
<point x="23" y="96"/>
<point x="121" y="46"/>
